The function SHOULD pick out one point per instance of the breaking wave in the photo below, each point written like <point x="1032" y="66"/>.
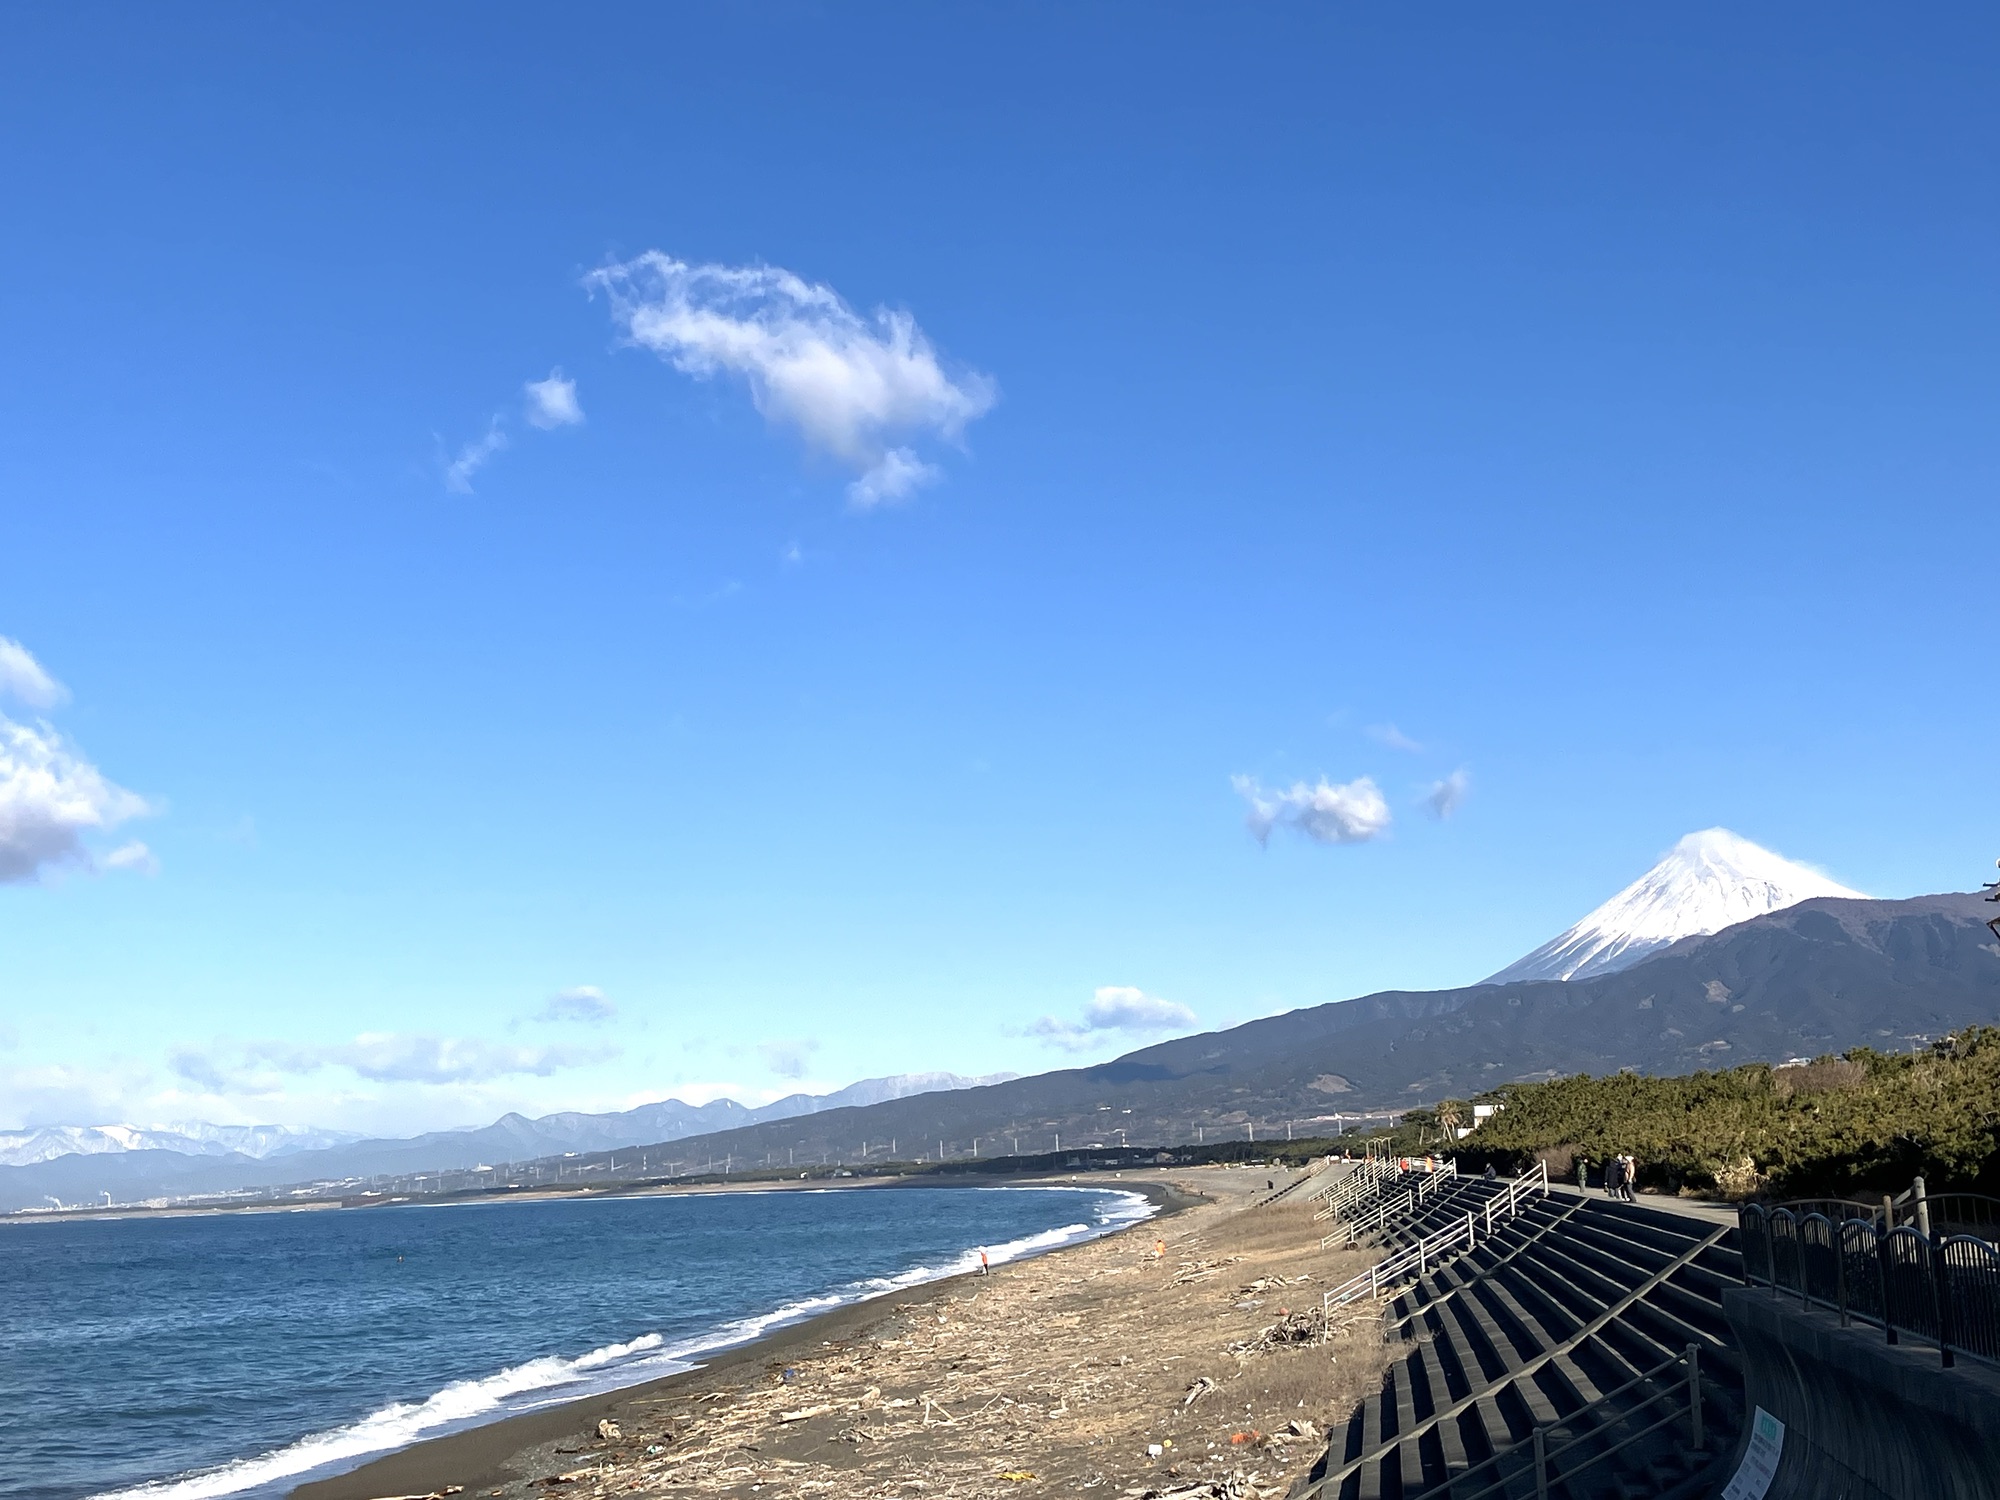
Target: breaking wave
<point x="550" y="1380"/>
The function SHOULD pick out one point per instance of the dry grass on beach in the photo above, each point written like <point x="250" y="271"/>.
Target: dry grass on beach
<point x="1049" y="1377"/>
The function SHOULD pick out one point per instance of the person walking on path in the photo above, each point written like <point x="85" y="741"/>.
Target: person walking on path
<point x="1583" y="1174"/>
<point x="1614" y="1172"/>
<point x="1628" y="1174"/>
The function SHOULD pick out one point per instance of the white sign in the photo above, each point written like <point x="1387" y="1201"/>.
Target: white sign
<point x="1760" y="1459"/>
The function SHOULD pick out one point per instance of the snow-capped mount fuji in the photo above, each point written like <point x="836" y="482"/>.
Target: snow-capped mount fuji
<point x="1708" y="881"/>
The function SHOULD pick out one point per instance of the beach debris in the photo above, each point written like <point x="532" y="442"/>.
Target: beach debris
<point x="804" y="1413"/>
<point x="450" y="1489"/>
<point x="1017" y="1476"/>
<point x="1236" y="1439"/>
<point x="1196" y="1391"/>
<point x="1302" y="1427"/>
<point x="1154" y="1450"/>
<point x="608" y="1430"/>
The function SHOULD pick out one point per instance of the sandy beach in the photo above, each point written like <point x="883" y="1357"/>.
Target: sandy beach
<point x="1163" y="1359"/>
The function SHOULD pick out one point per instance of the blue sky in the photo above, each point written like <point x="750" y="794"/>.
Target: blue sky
<point x="1603" y="401"/>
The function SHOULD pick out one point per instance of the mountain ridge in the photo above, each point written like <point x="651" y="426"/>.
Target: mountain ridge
<point x="1708" y="881"/>
<point x="512" y="1137"/>
<point x="1821" y="976"/>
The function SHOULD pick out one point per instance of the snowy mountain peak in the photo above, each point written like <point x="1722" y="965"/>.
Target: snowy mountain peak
<point x="1708" y="881"/>
<point x="22" y="1148"/>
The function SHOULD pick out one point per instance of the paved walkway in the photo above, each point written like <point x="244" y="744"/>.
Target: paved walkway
<point x="1714" y="1213"/>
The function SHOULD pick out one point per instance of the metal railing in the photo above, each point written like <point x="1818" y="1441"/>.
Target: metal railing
<point x="1508" y="1200"/>
<point x="1677" y="1401"/>
<point x="1525" y="1370"/>
<point x="1944" y="1290"/>
<point x="1358" y="1185"/>
<point x="1419" y="1258"/>
<point x="1373" y="1219"/>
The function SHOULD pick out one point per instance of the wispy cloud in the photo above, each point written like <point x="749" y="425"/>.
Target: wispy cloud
<point x="51" y="797"/>
<point x="1447" y="796"/>
<point x="854" y="388"/>
<point x="788" y="1056"/>
<point x="1394" y="738"/>
<point x="406" y="1057"/>
<point x="23" y="678"/>
<point x="552" y="402"/>
<point x="133" y="856"/>
<point x="473" y="457"/>
<point x="582" y="1002"/>
<point x="1349" y="813"/>
<point x="1116" y="1009"/>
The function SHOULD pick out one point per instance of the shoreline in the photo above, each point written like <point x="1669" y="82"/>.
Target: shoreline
<point x="117" y="1212"/>
<point x="1190" y="1359"/>
<point x="489" y="1453"/>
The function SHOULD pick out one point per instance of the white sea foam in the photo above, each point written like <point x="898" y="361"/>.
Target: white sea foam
<point x="549" y="1381"/>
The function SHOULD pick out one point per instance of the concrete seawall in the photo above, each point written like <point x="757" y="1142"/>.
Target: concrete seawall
<point x="1865" y="1419"/>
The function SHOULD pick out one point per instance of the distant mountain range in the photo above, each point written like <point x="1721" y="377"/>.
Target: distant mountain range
<point x="22" y="1148"/>
<point x="72" y="1163"/>
<point x="1797" y="978"/>
<point x="1819" y="977"/>
<point x="1708" y="881"/>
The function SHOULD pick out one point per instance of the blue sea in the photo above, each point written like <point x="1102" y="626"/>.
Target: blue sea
<point x="183" y="1358"/>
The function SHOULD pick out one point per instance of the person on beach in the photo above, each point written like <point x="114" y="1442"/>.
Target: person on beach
<point x="984" y="1267"/>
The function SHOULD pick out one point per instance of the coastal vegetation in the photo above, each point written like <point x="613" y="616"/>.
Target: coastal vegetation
<point x="1863" y="1122"/>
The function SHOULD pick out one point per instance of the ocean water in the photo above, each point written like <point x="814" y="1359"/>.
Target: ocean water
<point x="180" y="1359"/>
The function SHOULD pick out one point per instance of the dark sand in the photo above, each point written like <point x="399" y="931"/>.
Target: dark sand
<point x="513" y="1449"/>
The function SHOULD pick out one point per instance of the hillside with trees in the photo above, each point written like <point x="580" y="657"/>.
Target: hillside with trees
<point x="1859" y="1123"/>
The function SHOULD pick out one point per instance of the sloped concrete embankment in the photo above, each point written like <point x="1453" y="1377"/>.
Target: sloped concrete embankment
<point x="1865" y="1419"/>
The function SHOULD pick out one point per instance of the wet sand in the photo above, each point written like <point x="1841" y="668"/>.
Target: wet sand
<point x="1051" y="1376"/>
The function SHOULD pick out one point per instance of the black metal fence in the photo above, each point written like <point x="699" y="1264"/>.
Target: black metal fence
<point x="1943" y="1289"/>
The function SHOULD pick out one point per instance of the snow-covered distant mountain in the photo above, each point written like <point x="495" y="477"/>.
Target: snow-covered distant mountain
<point x="191" y="1138"/>
<point x="1708" y="881"/>
<point x="512" y="1137"/>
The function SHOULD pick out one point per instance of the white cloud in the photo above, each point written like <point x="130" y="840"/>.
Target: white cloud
<point x="1394" y="738"/>
<point x="582" y="1002"/>
<point x="57" y="1094"/>
<point x="1447" y="796"/>
<point x="472" y="458"/>
<point x="133" y="856"/>
<point x="1114" y="1008"/>
<point x="1352" y="813"/>
<point x="552" y="402"/>
<point x="23" y="678"/>
<point x="896" y="477"/>
<point x="404" y="1057"/>
<point x="788" y="1056"/>
<point x="50" y="797"/>
<point x="849" y="385"/>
